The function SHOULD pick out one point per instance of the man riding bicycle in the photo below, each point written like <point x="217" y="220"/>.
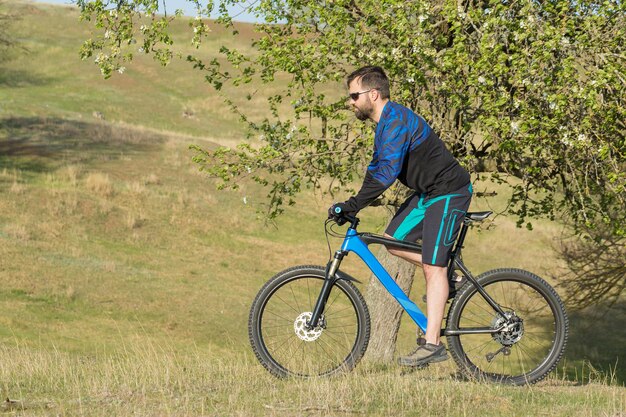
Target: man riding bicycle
<point x="407" y="149"/>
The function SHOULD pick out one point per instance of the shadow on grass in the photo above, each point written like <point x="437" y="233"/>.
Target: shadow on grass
<point x="36" y="145"/>
<point x="17" y="79"/>
<point x="597" y="337"/>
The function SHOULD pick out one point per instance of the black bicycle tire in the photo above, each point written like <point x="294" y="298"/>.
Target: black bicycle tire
<point x="550" y="296"/>
<point x="316" y="272"/>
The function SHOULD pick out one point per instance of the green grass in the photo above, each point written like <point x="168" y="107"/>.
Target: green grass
<point x="126" y="278"/>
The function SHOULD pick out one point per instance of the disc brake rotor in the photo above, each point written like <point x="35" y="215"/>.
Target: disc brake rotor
<point x="304" y="333"/>
<point x="513" y="328"/>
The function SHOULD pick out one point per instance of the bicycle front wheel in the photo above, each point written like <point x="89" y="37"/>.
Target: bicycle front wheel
<point x="525" y="344"/>
<point x="278" y="330"/>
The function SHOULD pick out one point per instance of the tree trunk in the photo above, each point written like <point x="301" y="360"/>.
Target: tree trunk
<point x="385" y="311"/>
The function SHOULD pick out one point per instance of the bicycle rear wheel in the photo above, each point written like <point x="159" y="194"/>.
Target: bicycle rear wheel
<point x="532" y="336"/>
<point x="278" y="318"/>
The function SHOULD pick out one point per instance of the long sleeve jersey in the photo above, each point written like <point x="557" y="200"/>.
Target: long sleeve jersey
<point x="407" y="149"/>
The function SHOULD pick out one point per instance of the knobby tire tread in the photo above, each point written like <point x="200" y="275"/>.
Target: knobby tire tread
<point x="262" y="298"/>
<point x="522" y="276"/>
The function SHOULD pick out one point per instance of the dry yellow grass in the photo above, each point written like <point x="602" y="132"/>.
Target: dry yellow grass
<point x="155" y="380"/>
<point x="17" y="232"/>
<point x="17" y="188"/>
<point x="100" y="184"/>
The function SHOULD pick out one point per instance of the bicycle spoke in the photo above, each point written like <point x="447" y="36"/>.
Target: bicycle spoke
<point x="520" y="348"/>
<point x="300" y="350"/>
<point x="279" y="316"/>
<point x="288" y="305"/>
<point x="295" y="299"/>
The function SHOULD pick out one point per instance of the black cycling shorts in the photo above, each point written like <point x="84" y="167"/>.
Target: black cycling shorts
<point x="435" y="220"/>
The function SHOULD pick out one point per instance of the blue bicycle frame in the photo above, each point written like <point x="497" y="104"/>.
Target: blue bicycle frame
<point x="358" y="243"/>
<point x="354" y="243"/>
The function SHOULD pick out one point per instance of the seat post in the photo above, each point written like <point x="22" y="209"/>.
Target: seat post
<point x="462" y="233"/>
<point x="458" y="246"/>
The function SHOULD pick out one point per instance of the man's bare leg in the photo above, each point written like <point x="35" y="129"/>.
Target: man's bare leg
<point x="409" y="256"/>
<point x="437" y="290"/>
<point x="437" y="295"/>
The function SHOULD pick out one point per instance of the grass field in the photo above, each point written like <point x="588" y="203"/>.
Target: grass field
<point x="126" y="278"/>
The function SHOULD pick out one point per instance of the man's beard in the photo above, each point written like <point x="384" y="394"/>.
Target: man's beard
<point x="365" y="112"/>
<point x="360" y="114"/>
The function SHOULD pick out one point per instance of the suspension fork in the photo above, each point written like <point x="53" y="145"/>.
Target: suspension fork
<point x="329" y="280"/>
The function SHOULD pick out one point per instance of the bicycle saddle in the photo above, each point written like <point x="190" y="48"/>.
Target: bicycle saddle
<point x="478" y="216"/>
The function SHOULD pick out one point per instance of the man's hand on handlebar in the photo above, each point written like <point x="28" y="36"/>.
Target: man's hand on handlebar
<point x="341" y="212"/>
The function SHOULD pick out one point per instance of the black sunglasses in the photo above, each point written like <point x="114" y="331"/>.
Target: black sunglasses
<point x="355" y="96"/>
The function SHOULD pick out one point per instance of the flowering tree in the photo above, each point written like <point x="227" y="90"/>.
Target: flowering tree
<point x="527" y="93"/>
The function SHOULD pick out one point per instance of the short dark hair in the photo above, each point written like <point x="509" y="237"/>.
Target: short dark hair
<point x="371" y="77"/>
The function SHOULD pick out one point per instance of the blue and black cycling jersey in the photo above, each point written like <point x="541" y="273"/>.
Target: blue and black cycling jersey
<point x="407" y="149"/>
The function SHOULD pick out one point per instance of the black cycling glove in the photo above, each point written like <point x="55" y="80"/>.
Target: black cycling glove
<point x="338" y="211"/>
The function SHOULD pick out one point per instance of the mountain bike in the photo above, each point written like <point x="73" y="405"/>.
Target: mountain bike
<point x="504" y="325"/>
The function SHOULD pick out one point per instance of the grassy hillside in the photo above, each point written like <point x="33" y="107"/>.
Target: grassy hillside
<point x="51" y="80"/>
<point x="126" y="278"/>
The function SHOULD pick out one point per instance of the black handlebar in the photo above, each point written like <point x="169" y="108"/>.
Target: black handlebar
<point x="341" y="217"/>
<point x="347" y="218"/>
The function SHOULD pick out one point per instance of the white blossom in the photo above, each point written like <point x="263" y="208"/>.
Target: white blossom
<point x="101" y="57"/>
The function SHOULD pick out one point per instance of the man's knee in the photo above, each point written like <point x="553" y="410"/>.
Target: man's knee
<point x="434" y="270"/>
<point x="394" y="252"/>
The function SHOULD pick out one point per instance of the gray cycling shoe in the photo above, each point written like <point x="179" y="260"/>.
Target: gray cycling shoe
<point x="425" y="354"/>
